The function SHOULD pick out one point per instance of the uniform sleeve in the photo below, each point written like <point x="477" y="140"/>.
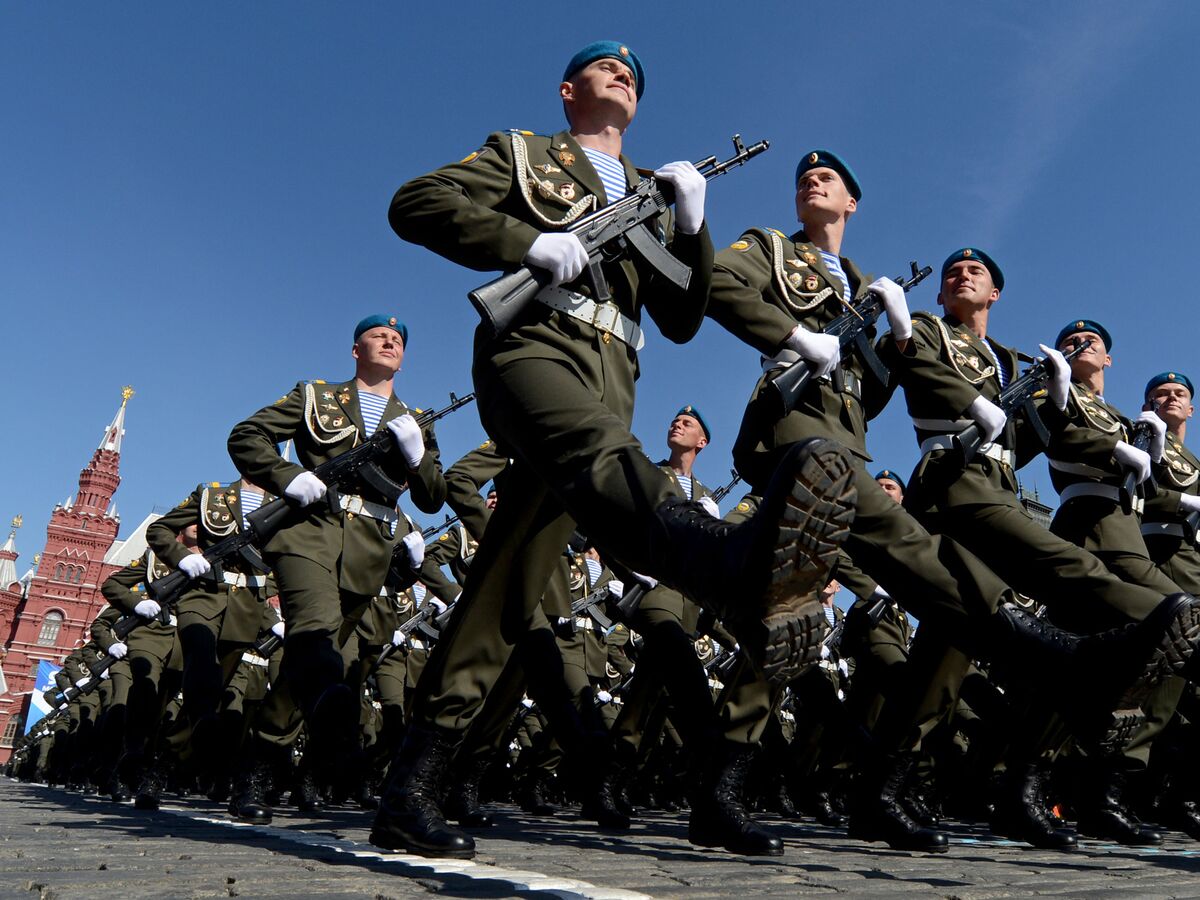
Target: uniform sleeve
<point x="680" y="313"/>
<point x="162" y="533"/>
<point x="466" y="478"/>
<point x="452" y="211"/>
<point x="426" y="485"/>
<point x="118" y="587"/>
<point x="920" y="367"/>
<point x="101" y="630"/>
<point x="740" y="280"/>
<point x="253" y="443"/>
<point x="444" y="549"/>
<point x="431" y="575"/>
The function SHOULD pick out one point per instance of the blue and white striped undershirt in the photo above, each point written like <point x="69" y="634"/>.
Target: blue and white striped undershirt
<point x="371" y="406"/>
<point x="418" y="590"/>
<point x="1000" y="373"/>
<point x="611" y="172"/>
<point x="830" y="616"/>
<point x="593" y="570"/>
<point x="251" y="500"/>
<point x="834" y="265"/>
<point x="685" y="482"/>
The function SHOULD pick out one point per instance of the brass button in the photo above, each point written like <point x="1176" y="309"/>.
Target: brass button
<point x="349" y="515"/>
<point x="606" y="337"/>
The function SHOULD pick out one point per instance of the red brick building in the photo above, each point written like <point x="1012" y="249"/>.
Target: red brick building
<point x="46" y="614"/>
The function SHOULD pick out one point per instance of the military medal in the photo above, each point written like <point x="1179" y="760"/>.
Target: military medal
<point x="811" y="283"/>
<point x="810" y="258"/>
<point x="796" y="280"/>
<point x="567" y="191"/>
<point x="797" y="264"/>
<point x="337" y="423"/>
<point x="548" y="169"/>
<point x="566" y="157"/>
<point x="327" y="395"/>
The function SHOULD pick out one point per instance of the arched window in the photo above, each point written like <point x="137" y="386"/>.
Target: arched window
<point x="51" y="625"/>
<point x="59" y="572"/>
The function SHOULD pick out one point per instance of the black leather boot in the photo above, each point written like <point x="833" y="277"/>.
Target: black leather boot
<point x="534" y="795"/>
<point x="410" y="815"/>
<point x="821" y="807"/>
<point x="1019" y="812"/>
<point x="608" y="805"/>
<point x="776" y="561"/>
<point x="1181" y="815"/>
<point x="1103" y="813"/>
<point x="718" y="816"/>
<point x="305" y="794"/>
<point x="876" y="813"/>
<point x="150" y="787"/>
<point x="248" y="796"/>
<point x="462" y="801"/>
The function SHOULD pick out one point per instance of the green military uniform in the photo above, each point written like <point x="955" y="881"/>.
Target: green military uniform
<point x="464" y="480"/>
<point x="1170" y="544"/>
<point x="556" y="393"/>
<point x="331" y="562"/>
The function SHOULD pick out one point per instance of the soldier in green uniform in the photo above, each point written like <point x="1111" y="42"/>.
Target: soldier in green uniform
<point x="1169" y="529"/>
<point x="112" y="729"/>
<point x="556" y="393"/>
<point x="220" y="617"/>
<point x="334" y="559"/>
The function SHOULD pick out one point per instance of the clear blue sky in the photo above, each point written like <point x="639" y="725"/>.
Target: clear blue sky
<point x="194" y="196"/>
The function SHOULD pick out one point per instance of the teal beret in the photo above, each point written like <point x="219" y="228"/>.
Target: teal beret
<point x="690" y="410"/>
<point x="1169" y="378"/>
<point x="608" y="50"/>
<point x="1085" y="325"/>
<point x="891" y="476"/>
<point x="975" y="253"/>
<point x="828" y="159"/>
<point x="385" y="321"/>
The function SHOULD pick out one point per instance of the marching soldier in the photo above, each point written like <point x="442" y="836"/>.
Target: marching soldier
<point x="556" y="393"/>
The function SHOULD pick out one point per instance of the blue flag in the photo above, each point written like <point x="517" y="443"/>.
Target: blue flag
<point x="38" y="707"/>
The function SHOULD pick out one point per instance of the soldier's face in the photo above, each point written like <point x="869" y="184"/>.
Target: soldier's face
<point x="891" y="489"/>
<point x="686" y="434"/>
<point x="830" y="591"/>
<point x="490" y="502"/>
<point x="379" y="347"/>
<point x="821" y="194"/>
<point x="189" y="537"/>
<point x="1093" y="359"/>
<point x="968" y="286"/>
<point x="1174" y="403"/>
<point x="604" y="85"/>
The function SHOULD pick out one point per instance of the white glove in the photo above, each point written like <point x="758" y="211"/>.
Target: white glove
<point x="710" y="506"/>
<point x="560" y="253"/>
<point x="194" y="565"/>
<point x="414" y="543"/>
<point x="1189" y="503"/>
<point x="689" y="187"/>
<point x="527" y="703"/>
<point x="895" y="304"/>
<point x="398" y="638"/>
<point x="407" y="433"/>
<point x="118" y="650"/>
<point x="989" y="417"/>
<point x="880" y="592"/>
<point x="1158" y="443"/>
<point x="105" y="675"/>
<point x="650" y="583"/>
<point x="604" y="696"/>
<point x="819" y="349"/>
<point x="844" y="668"/>
<point x="305" y="488"/>
<point x="1130" y="457"/>
<point x="277" y="629"/>
<point x="1060" y="376"/>
<point x="616" y="588"/>
<point x="436" y="604"/>
<point x="147" y="608"/>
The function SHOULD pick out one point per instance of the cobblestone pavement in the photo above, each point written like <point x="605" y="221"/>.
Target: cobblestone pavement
<point x="55" y="844"/>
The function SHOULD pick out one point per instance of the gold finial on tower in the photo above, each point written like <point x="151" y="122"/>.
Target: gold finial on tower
<point x="126" y="393"/>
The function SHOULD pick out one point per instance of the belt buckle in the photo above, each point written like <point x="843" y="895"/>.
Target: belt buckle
<point x="605" y="317"/>
<point x="354" y="504"/>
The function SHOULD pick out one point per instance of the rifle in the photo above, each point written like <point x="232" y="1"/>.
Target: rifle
<point x="419" y="621"/>
<point x="850" y="328"/>
<point x="590" y="606"/>
<point x="833" y="639"/>
<point x="1017" y="396"/>
<point x="361" y="463"/>
<point x="723" y="491"/>
<point x="442" y="526"/>
<point x="606" y="234"/>
<point x="267" y="645"/>
<point x="1141" y="436"/>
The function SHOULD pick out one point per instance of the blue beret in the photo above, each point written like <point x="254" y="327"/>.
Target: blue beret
<point x="608" y="50"/>
<point x="975" y="253"/>
<point x="828" y="159"/>
<point x="1085" y="325"/>
<point x="386" y="322"/>
<point x="1169" y="378"/>
<point x="690" y="410"/>
<point x="891" y="476"/>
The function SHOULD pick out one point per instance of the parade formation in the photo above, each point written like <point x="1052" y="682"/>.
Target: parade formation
<point x="611" y="639"/>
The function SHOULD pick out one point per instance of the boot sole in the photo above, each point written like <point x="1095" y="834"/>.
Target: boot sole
<point x="813" y="522"/>
<point x="387" y="841"/>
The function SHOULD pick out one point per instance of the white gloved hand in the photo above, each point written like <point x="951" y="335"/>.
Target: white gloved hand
<point x="147" y="608"/>
<point x="880" y="592"/>
<point x="1189" y="503"/>
<point x="398" y="638"/>
<point x="527" y="703"/>
<point x="844" y="668"/>
<point x="105" y="675"/>
<point x="277" y="629"/>
<point x="407" y="433"/>
<point x="616" y="588"/>
<point x="710" y="506"/>
<point x="820" y="350"/>
<point x="1158" y="428"/>
<point x="1130" y="457"/>
<point x="895" y="304"/>
<point x="689" y="187"/>
<point x="988" y="416"/>
<point x="561" y="254"/>
<point x="1060" y="376"/>
<point x="194" y="565"/>
<point x="437" y="604"/>
<point x="414" y="543"/>
<point x="649" y="582"/>
<point x="118" y="650"/>
<point x="305" y="488"/>
<point x="604" y="696"/>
